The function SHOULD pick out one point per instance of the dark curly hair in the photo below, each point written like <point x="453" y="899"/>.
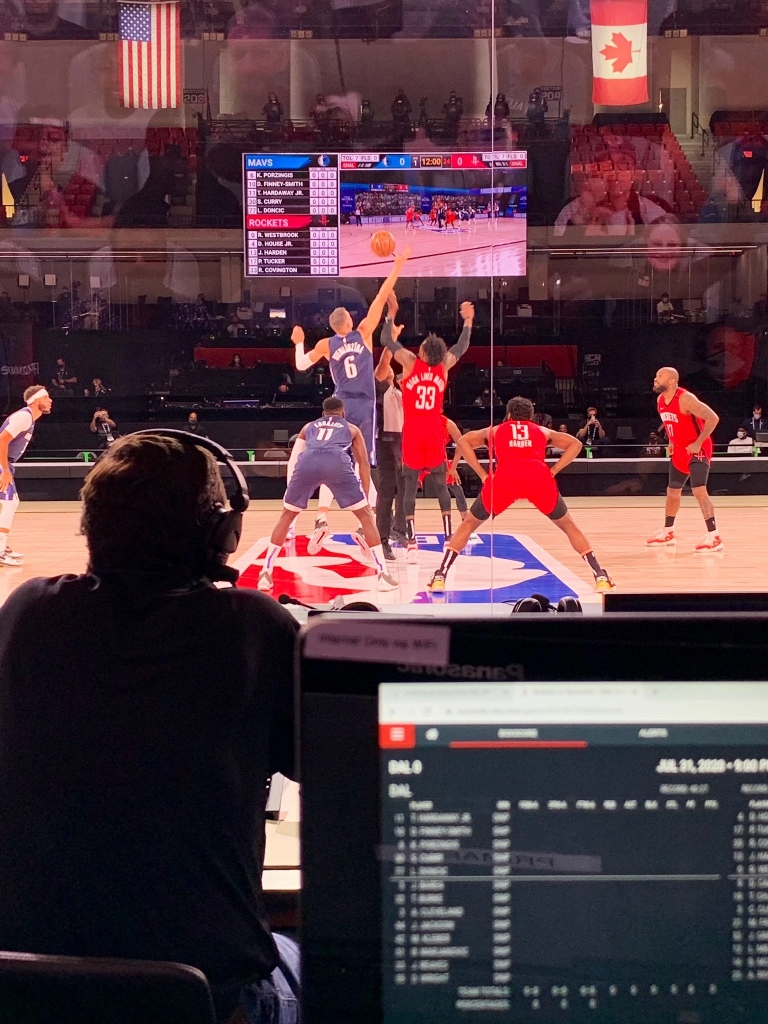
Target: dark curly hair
<point x="333" y="404"/>
<point x="433" y="350"/>
<point x="519" y="408"/>
<point x="144" y="505"/>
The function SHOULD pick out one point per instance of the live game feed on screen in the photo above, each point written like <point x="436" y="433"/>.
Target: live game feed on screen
<point x="313" y="215"/>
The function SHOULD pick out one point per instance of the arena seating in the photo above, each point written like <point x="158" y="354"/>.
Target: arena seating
<point x="665" y="178"/>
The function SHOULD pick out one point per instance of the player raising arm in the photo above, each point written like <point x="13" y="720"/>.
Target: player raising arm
<point x="425" y="377"/>
<point x="519" y="446"/>
<point x="408" y="360"/>
<point x="350" y="357"/>
<point x="341" y="321"/>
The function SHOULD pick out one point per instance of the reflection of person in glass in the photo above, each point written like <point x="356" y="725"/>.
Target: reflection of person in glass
<point x="56" y="171"/>
<point x="253" y="63"/>
<point x="665" y="243"/>
<point x="40" y="20"/>
<point x="9" y="85"/>
<point x="727" y="359"/>
<point x="100" y="108"/>
<point x="612" y="205"/>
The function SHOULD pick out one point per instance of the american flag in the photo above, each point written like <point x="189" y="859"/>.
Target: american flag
<point x="150" y="55"/>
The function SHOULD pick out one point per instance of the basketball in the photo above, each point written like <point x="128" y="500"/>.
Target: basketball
<point x="383" y="243"/>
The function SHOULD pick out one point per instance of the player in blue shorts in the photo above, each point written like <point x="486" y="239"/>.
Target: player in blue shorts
<point x="327" y="448"/>
<point x="350" y="356"/>
<point x="15" y="434"/>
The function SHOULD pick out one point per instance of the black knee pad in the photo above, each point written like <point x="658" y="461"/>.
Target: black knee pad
<point x="560" y="510"/>
<point x="479" y="511"/>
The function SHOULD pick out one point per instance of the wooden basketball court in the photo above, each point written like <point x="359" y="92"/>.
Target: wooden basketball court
<point x="48" y="535"/>
<point x="489" y="247"/>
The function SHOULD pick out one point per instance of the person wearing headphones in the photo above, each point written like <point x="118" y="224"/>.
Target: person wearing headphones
<point x="135" y="766"/>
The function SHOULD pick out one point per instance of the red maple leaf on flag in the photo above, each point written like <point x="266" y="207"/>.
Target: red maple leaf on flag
<point x="620" y="52"/>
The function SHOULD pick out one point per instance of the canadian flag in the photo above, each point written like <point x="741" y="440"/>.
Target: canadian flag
<point x="619" y="52"/>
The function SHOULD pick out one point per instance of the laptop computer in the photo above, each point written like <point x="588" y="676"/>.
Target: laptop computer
<point x="535" y="820"/>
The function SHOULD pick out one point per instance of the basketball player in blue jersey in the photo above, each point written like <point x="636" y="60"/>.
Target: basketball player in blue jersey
<point x="324" y="458"/>
<point x="350" y="356"/>
<point x="15" y="434"/>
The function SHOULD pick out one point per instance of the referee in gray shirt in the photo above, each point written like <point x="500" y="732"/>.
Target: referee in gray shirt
<point x="389" y="446"/>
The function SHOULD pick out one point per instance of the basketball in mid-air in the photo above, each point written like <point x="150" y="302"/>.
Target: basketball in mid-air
<point x="383" y="243"/>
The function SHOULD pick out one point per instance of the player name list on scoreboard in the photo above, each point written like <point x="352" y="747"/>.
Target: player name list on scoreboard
<point x="291" y="209"/>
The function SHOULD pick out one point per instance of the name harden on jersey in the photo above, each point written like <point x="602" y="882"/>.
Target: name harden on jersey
<point x="349" y="348"/>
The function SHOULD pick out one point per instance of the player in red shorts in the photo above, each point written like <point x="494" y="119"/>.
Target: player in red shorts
<point x="519" y="446"/>
<point x="689" y="424"/>
<point x="423" y="386"/>
<point x="452" y="434"/>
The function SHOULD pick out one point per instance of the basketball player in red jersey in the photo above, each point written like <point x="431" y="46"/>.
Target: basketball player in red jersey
<point x="520" y="447"/>
<point x="423" y="387"/>
<point x="452" y="479"/>
<point x="689" y="424"/>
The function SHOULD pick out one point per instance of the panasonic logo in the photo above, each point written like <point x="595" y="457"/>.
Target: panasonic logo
<point x="491" y="673"/>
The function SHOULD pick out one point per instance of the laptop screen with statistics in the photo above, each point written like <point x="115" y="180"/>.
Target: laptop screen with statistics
<point x="506" y="835"/>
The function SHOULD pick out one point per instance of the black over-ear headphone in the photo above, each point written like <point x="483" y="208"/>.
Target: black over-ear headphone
<point x="222" y="527"/>
<point x="540" y="603"/>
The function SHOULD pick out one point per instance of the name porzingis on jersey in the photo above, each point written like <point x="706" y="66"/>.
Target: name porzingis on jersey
<point x="349" y="348"/>
<point x="426" y="377"/>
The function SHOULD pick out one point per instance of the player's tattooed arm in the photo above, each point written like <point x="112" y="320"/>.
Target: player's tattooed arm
<point x="361" y="458"/>
<point x="467" y="445"/>
<point x="304" y="359"/>
<point x="385" y="359"/>
<point x="570" y="445"/>
<point x="390" y="332"/>
<point x="694" y="407"/>
<point x="455" y="352"/>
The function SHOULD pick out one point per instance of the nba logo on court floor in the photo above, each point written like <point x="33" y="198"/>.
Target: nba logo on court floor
<point x="497" y="568"/>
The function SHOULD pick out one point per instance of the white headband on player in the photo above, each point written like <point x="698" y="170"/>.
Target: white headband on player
<point x="40" y="393"/>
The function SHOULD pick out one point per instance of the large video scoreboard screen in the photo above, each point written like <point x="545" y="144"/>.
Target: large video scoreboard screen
<point x="313" y="215"/>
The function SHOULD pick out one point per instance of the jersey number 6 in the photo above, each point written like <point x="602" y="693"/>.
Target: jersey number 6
<point x="349" y="367"/>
